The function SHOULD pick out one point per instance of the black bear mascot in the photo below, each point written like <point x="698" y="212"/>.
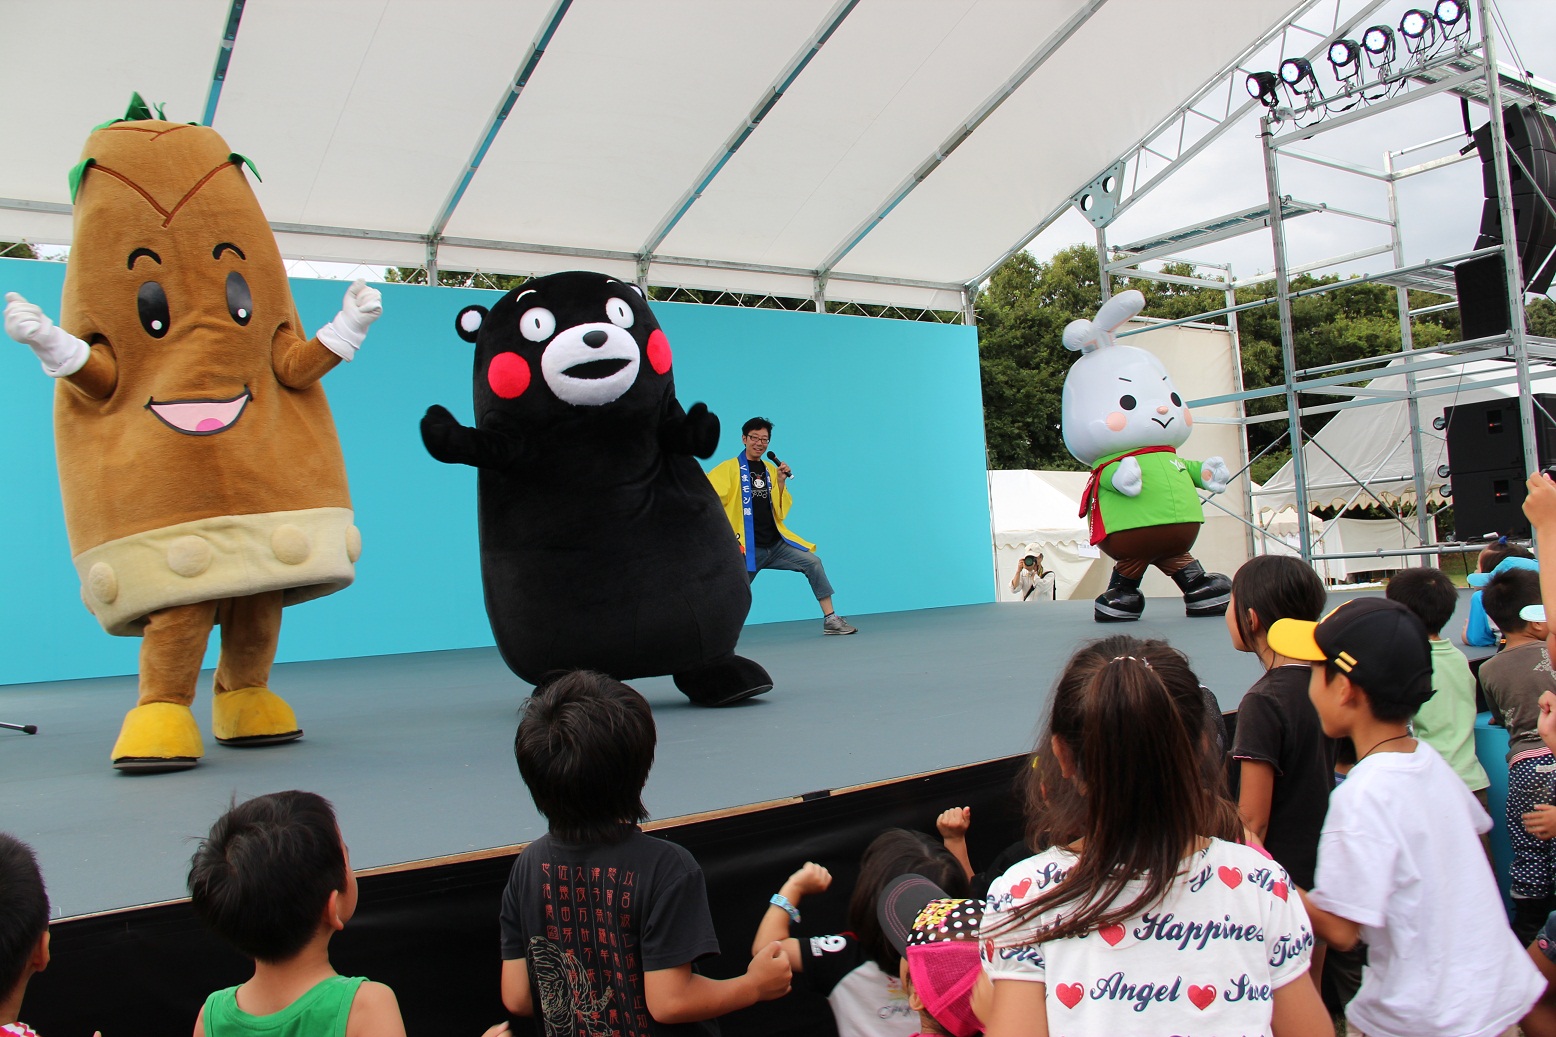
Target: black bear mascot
<point x="603" y="545"/>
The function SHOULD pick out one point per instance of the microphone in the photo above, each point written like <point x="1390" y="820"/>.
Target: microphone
<point x="774" y="459"/>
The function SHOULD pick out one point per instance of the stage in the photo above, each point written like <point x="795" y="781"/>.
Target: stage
<point x="416" y="750"/>
<point x="917" y="712"/>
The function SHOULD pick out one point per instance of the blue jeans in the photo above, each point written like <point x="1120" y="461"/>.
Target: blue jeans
<point x="784" y="555"/>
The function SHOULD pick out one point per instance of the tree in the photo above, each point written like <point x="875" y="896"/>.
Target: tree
<point x="454" y="278"/>
<point x="1541" y="317"/>
<point x="17" y="250"/>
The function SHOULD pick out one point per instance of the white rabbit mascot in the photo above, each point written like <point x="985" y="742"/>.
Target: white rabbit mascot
<point x="1123" y="419"/>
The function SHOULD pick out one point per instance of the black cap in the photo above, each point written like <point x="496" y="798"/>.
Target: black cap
<point x="899" y="905"/>
<point x="1378" y="643"/>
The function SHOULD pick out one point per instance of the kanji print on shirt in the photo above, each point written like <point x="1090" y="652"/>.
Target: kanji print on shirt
<point x="1207" y="959"/>
<point x="585" y="966"/>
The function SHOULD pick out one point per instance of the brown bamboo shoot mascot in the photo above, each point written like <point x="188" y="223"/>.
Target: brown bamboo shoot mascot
<point x="202" y="478"/>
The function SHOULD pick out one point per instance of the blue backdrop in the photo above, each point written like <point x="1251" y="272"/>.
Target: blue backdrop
<point x="881" y="420"/>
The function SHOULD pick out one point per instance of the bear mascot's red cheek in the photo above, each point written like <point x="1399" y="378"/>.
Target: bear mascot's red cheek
<point x="508" y="375"/>
<point x="659" y="352"/>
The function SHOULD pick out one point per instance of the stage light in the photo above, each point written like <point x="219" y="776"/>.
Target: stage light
<point x="1445" y="491"/>
<point x="1378" y="42"/>
<point x="1439" y="423"/>
<point x="1345" y="59"/>
<point x="1443" y="471"/>
<point x="1261" y="85"/>
<point x="1417" y="27"/>
<point x="1453" y="18"/>
<point x="1297" y="73"/>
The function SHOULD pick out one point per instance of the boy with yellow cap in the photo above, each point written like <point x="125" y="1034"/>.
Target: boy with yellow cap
<point x="1399" y="862"/>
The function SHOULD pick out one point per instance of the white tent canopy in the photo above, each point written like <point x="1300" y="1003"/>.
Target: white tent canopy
<point x="1371" y="444"/>
<point x="893" y="150"/>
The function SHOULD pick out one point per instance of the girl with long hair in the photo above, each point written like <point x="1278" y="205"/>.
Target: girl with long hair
<point x="1147" y="919"/>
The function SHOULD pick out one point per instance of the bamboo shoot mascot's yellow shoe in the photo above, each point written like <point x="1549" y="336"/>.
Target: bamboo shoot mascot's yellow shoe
<point x="202" y="478"/>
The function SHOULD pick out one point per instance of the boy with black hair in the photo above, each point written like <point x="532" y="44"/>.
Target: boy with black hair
<point x="274" y="879"/>
<point x="24" y="930"/>
<point x="1441" y="959"/>
<point x="602" y="924"/>
<point x="1446" y="720"/>
<point x="1513" y="681"/>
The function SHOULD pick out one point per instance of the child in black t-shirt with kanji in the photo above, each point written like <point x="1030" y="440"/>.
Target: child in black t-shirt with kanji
<point x="602" y="924"/>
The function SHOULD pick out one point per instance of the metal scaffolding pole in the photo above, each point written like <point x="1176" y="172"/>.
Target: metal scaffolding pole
<point x="1102" y="265"/>
<point x="1288" y="343"/>
<point x="1511" y="264"/>
<point x="1406" y="344"/>
<point x="1243" y="461"/>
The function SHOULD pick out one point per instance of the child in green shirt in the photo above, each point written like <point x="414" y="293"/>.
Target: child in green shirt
<point x="1446" y="721"/>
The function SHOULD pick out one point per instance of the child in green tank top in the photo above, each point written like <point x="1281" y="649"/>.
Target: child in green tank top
<point x="274" y="879"/>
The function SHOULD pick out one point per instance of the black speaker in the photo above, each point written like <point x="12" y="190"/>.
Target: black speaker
<point x="1486" y="463"/>
<point x="1489" y="503"/>
<point x="1481" y="287"/>
<point x="1531" y="136"/>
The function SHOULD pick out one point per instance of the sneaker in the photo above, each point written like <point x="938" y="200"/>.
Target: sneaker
<point x="836" y="624"/>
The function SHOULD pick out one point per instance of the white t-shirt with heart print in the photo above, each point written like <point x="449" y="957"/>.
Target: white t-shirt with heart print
<point x="1206" y="960"/>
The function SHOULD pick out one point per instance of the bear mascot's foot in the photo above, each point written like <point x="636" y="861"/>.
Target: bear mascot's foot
<point x="1204" y="594"/>
<point x="158" y="736"/>
<point x="253" y="716"/>
<point x="1122" y="602"/>
<point x="724" y="681"/>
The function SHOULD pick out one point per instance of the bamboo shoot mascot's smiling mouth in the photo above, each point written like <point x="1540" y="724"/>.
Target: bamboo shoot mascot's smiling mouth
<point x="202" y="479"/>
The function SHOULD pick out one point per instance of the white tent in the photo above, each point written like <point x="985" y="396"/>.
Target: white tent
<point x="1031" y="512"/>
<point x="882" y="151"/>
<point x="1342" y="536"/>
<point x="1371" y="445"/>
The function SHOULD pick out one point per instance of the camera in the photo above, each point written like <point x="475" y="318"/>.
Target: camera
<point x="1030" y="560"/>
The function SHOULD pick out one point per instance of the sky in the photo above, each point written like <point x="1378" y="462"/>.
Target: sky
<point x="1439" y="210"/>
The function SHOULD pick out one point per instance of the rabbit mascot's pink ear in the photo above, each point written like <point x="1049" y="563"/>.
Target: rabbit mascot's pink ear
<point x="1122" y="418"/>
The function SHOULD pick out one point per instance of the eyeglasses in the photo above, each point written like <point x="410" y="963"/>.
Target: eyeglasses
<point x="759" y="439"/>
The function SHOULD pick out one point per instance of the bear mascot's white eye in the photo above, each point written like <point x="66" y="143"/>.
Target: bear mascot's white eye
<point x="537" y="324"/>
<point x="619" y="313"/>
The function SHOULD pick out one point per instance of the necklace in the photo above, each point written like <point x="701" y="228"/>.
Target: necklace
<point x="1385" y="741"/>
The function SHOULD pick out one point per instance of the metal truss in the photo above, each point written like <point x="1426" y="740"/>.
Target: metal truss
<point x="1216" y="107"/>
<point x="1469" y="70"/>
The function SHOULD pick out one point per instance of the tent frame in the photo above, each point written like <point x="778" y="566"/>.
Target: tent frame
<point x="1467" y="72"/>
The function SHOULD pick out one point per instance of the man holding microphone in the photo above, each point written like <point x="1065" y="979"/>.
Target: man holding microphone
<point x="756" y="498"/>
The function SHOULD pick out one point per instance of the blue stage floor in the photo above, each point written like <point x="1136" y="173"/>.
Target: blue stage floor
<point x="416" y="750"/>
